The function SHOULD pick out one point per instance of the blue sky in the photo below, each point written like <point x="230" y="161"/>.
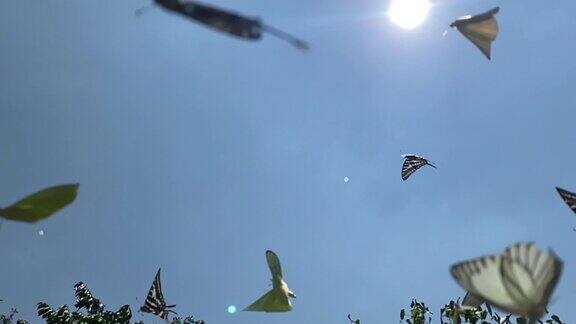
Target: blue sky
<point x="197" y="152"/>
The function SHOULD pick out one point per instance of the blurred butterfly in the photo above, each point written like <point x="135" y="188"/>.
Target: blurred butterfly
<point x="519" y="281"/>
<point x="480" y="29"/>
<point x="472" y="301"/>
<point x="155" y="302"/>
<point x="412" y="163"/>
<point x="228" y="22"/>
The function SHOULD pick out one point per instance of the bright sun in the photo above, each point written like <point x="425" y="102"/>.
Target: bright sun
<point x="408" y="13"/>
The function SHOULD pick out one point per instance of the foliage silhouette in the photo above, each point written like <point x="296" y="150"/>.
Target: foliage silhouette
<point x="453" y="313"/>
<point x="90" y="310"/>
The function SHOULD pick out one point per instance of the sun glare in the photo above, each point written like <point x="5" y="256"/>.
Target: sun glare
<point x="408" y="14"/>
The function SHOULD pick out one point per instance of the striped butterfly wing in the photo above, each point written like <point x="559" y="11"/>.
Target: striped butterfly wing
<point x="481" y="277"/>
<point x="411" y="164"/>
<point x="471" y="300"/>
<point x="568" y="197"/>
<point x="530" y="276"/>
<point x="520" y="281"/>
<point x="155" y="303"/>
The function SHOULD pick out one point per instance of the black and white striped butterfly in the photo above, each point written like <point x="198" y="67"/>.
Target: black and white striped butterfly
<point x="155" y="302"/>
<point x="412" y="163"/>
<point x="519" y="281"/>
<point x="569" y="198"/>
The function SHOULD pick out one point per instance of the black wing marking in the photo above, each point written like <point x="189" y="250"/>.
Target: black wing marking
<point x="412" y="163"/>
<point x="568" y="197"/>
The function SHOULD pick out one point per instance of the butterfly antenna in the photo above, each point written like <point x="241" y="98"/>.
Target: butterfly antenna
<point x="139" y="12"/>
<point x="353" y="321"/>
<point x="432" y="165"/>
<point x="300" y="44"/>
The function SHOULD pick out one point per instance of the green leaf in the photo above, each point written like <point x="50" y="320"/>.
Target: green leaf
<point x="41" y="204"/>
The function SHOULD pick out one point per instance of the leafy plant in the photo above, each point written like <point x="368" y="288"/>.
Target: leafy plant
<point x="453" y="313"/>
<point x="94" y="310"/>
<point x="90" y="310"/>
<point x="9" y="318"/>
<point x="418" y="313"/>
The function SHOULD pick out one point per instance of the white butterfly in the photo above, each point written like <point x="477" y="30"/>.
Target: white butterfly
<point x="278" y="298"/>
<point x="519" y="281"/>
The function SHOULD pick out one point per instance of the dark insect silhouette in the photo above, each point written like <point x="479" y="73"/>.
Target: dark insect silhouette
<point x="247" y="28"/>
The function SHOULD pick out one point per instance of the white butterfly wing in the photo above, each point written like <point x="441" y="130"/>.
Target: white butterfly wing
<point x="471" y="300"/>
<point x="519" y="281"/>
<point x="484" y="44"/>
<point x="273" y="301"/>
<point x="530" y="276"/>
<point x="480" y="29"/>
<point x="482" y="277"/>
<point x="274" y="264"/>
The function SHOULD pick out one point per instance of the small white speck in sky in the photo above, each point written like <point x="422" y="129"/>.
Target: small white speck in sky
<point x="41" y="232"/>
<point x="346" y="179"/>
<point x="231" y="309"/>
